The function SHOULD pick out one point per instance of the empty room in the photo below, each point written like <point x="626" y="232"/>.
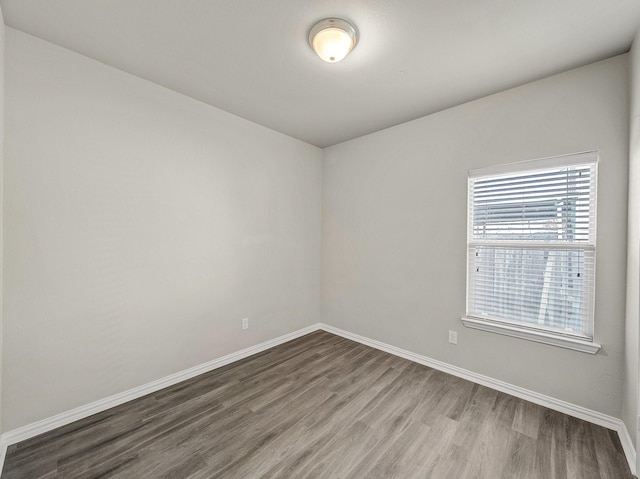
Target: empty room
<point x="319" y="239"/>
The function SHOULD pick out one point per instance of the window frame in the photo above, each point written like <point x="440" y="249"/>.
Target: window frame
<point x="522" y="329"/>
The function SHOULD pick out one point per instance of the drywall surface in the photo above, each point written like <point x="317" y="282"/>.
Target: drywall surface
<point x="141" y="227"/>
<point x="630" y="384"/>
<point x="2" y="33"/>
<point x="394" y="228"/>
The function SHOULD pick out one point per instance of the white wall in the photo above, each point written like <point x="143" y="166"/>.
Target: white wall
<point x="2" y="33"/>
<point x="394" y="228"/>
<point x="630" y="383"/>
<point x="141" y="226"/>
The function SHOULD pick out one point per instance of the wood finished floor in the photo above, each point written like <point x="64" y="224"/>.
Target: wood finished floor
<point x="323" y="407"/>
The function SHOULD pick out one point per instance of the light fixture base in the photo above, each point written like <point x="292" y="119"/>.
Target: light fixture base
<point x="333" y="38"/>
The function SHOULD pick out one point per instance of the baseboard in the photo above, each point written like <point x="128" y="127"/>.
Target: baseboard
<point x="3" y="453"/>
<point x="570" y="409"/>
<point x="627" y="445"/>
<point x="45" y="425"/>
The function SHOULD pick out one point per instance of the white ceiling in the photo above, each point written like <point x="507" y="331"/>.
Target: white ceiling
<point x="414" y="57"/>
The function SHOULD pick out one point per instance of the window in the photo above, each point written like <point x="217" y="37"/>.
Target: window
<point x="531" y="239"/>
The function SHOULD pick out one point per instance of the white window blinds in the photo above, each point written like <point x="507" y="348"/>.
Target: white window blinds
<point x="531" y="244"/>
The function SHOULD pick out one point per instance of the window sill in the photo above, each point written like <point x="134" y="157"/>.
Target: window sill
<point x="537" y="336"/>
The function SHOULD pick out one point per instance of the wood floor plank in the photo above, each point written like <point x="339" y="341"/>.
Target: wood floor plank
<point x="338" y="455"/>
<point x="323" y="407"/>
<point x="433" y="450"/>
<point x="527" y="419"/>
<point x="393" y="458"/>
<point x="521" y="463"/>
<point x="582" y="460"/>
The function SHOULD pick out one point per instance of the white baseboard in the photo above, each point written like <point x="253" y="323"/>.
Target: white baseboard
<point x="3" y="453"/>
<point x="45" y="425"/>
<point x="570" y="409"/>
<point x="627" y="445"/>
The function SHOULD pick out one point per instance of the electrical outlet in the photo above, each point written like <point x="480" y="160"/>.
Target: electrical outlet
<point x="245" y="323"/>
<point x="453" y="337"/>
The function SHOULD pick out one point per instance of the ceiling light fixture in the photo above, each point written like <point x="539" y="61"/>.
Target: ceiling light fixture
<point x="332" y="39"/>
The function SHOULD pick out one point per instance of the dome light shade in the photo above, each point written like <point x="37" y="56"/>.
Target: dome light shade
<point x="332" y="39"/>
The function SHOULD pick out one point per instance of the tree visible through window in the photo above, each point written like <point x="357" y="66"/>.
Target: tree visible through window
<point x="531" y="244"/>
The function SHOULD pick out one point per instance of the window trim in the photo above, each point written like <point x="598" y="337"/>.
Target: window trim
<point x="517" y="329"/>
<point x="532" y="335"/>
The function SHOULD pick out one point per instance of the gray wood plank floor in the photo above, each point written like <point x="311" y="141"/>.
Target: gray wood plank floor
<point x="322" y="406"/>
